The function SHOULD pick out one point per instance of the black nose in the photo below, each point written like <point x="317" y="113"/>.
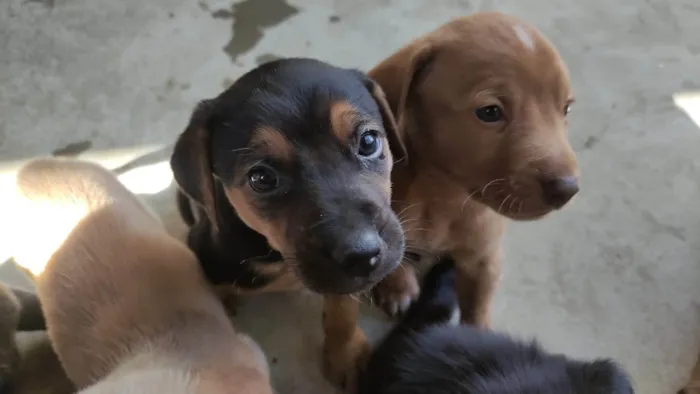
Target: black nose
<point x="558" y="191"/>
<point x="360" y="256"/>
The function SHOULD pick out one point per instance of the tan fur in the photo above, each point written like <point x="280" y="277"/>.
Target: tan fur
<point x="126" y="306"/>
<point x="463" y="176"/>
<point x="274" y="231"/>
<point x="345" y="346"/>
<point x="343" y="115"/>
<point x="273" y="142"/>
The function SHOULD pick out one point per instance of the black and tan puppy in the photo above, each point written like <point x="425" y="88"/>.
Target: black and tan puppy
<point x="127" y="308"/>
<point x="429" y="352"/>
<point x="289" y="171"/>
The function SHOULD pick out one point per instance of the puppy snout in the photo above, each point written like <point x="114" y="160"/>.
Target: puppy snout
<point x="360" y="256"/>
<point x="557" y="191"/>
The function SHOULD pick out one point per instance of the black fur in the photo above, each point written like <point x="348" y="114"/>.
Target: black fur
<point x="425" y="355"/>
<point x="327" y="193"/>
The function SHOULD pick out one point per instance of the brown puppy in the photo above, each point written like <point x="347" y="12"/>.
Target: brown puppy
<point x="481" y="104"/>
<point x="693" y="385"/>
<point x="126" y="305"/>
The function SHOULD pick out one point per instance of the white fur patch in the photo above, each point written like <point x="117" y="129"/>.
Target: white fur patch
<point x="524" y="36"/>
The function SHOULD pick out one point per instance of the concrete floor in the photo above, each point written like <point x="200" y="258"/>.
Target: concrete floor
<point x="615" y="274"/>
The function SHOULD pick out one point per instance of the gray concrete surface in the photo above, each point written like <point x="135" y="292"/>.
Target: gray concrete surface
<point x="615" y="274"/>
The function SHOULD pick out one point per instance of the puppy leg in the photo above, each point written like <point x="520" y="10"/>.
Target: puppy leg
<point x="345" y="347"/>
<point x="476" y="283"/>
<point x="398" y="290"/>
<point x="693" y="385"/>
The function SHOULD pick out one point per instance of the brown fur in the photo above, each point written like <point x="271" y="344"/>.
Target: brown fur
<point x="126" y="306"/>
<point x="464" y="176"/>
<point x="343" y="116"/>
<point x="273" y="142"/>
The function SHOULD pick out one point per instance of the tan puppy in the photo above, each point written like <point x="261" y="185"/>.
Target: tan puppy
<point x="126" y="305"/>
<point x="693" y="385"/>
<point x="481" y="104"/>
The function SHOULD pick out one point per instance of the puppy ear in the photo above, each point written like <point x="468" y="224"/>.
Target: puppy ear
<point x="396" y="144"/>
<point x="399" y="74"/>
<point x="191" y="163"/>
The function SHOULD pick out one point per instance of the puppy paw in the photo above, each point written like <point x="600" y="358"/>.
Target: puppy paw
<point x="397" y="291"/>
<point x="342" y="363"/>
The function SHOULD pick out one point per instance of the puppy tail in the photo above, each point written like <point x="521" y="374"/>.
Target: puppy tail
<point x="184" y="205"/>
<point x="438" y="303"/>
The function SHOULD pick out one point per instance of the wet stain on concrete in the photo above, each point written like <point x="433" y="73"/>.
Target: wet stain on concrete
<point x="334" y="19"/>
<point x="73" y="149"/>
<point x="591" y="142"/>
<point x="266" y="58"/>
<point x="50" y="4"/>
<point x="250" y="19"/>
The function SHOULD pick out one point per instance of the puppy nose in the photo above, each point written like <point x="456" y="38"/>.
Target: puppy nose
<point x="361" y="255"/>
<point x="558" y="191"/>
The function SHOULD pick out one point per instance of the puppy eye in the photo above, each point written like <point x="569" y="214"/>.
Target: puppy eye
<point x="567" y="109"/>
<point x="370" y="144"/>
<point x="262" y="179"/>
<point x="489" y="114"/>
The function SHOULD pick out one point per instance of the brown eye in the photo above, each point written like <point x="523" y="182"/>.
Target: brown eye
<point x="489" y="114"/>
<point x="262" y="179"/>
<point x="567" y="109"/>
<point x="370" y="144"/>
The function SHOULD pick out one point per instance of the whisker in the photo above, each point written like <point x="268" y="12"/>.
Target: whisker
<point x="483" y="191"/>
<point x="407" y="208"/>
<point x="503" y="202"/>
<point x="510" y="207"/>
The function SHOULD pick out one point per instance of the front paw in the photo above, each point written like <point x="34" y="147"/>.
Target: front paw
<point x="342" y="362"/>
<point x="397" y="291"/>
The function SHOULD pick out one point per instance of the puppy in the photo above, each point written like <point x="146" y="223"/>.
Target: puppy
<point x="693" y="385"/>
<point x="481" y="104"/>
<point x="126" y="306"/>
<point x="287" y="172"/>
<point x="430" y="352"/>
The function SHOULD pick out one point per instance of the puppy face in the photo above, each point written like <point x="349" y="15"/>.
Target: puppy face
<point x="301" y="150"/>
<point x="487" y="100"/>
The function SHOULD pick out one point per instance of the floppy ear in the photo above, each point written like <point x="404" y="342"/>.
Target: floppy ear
<point x="394" y="134"/>
<point x="400" y="73"/>
<point x="191" y="164"/>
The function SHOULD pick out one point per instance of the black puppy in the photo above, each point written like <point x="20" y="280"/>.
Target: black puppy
<point x="426" y="354"/>
<point x="289" y="171"/>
